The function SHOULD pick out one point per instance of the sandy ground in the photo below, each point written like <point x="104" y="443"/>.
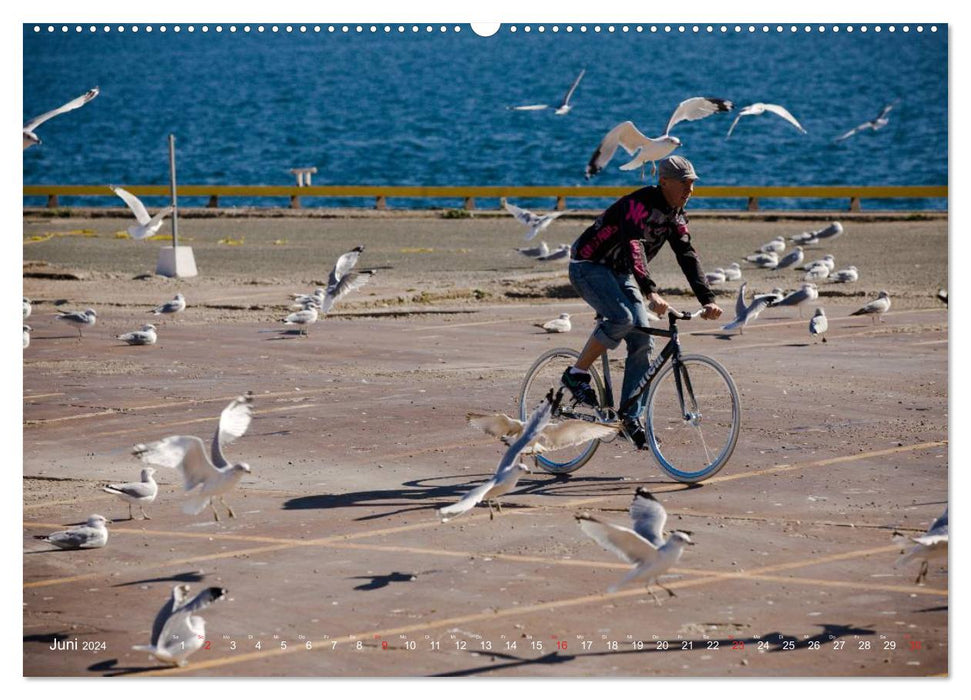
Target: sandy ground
<point x="337" y="565"/>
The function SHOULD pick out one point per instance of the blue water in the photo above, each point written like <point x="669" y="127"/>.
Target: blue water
<point x="431" y="108"/>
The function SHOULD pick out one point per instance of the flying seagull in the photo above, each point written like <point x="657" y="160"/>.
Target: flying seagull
<point x="564" y="106"/>
<point x="745" y="312"/>
<point x="555" y="436"/>
<point x="30" y="138"/>
<point x="761" y="108"/>
<point x="643" y="544"/>
<point x="930" y="545"/>
<point x="631" y="139"/>
<point x="148" y="225"/>
<point x="203" y="479"/>
<point x="342" y="280"/>
<point x="875" y="124"/>
<point x="534" y="222"/>
<point x="176" y="632"/>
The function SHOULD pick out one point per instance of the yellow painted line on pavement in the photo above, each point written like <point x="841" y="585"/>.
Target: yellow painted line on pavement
<point x="42" y="396"/>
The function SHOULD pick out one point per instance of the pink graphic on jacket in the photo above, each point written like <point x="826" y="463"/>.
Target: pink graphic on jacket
<point x="637" y="257"/>
<point x="587" y="250"/>
<point x="636" y="212"/>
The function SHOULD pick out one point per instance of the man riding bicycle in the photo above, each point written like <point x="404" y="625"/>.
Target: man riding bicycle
<point x="608" y="268"/>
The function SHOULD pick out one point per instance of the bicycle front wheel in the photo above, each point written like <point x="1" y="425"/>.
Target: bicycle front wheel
<point x="693" y="418"/>
<point x="545" y="375"/>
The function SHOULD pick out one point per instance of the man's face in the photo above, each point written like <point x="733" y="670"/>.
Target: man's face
<point x="676" y="192"/>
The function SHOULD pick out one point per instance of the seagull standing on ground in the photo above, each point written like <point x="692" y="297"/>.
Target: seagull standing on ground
<point x="27" y="308"/>
<point x="761" y="108"/>
<point x="733" y="272"/>
<point x="92" y="535"/>
<point x="627" y="136"/>
<point x="847" y="274"/>
<point x="30" y="138"/>
<point x="930" y="545"/>
<point x="557" y="325"/>
<point x="562" y="252"/>
<point x="535" y="222"/>
<point x="204" y="480"/>
<point x="78" y="319"/>
<point x="509" y="469"/>
<point x="793" y="258"/>
<point x="875" y="124"/>
<point x="764" y="260"/>
<point x="140" y="492"/>
<point x="146" y="336"/>
<point x="818" y="324"/>
<point x="27" y="330"/>
<point x="776" y="245"/>
<point x="148" y="225"/>
<point x="644" y="546"/>
<point x="174" y="306"/>
<point x="535" y="252"/>
<point x="876" y="308"/>
<point x="176" y="632"/>
<point x="303" y="318"/>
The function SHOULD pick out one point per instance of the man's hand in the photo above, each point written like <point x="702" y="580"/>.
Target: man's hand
<point x="710" y="312"/>
<point x="656" y="304"/>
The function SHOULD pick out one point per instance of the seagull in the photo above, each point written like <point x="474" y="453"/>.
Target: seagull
<point x="27" y="330"/>
<point x="565" y="105"/>
<point x="300" y="301"/>
<point x="27" y="308"/>
<point x="930" y="545"/>
<point x="562" y="252"/>
<point x="807" y="292"/>
<point x="762" y="107"/>
<point x="828" y="261"/>
<point x="744" y="312"/>
<point x="92" y="535"/>
<point x="818" y="324"/>
<point x="535" y="222"/>
<point x="557" y="325"/>
<point x="793" y="258"/>
<point x="847" y="274"/>
<point x="140" y="492"/>
<point x="305" y="317"/>
<point x="536" y="252"/>
<point x="147" y="226"/>
<point x="509" y="469"/>
<point x="170" y="307"/>
<point x="30" y="138"/>
<point x="874" y="124"/>
<point x="733" y="272"/>
<point x="941" y="295"/>
<point x="877" y="308"/>
<point x="146" y="336"/>
<point x="764" y="260"/>
<point x="816" y="273"/>
<point x="78" y="319"/>
<point x="176" y="632"/>
<point x="717" y="276"/>
<point x="342" y="280"/>
<point x="631" y="139"/>
<point x="555" y="436"/>
<point x="204" y="480"/>
<point x="776" y="245"/>
<point x="644" y="545"/>
<point x="832" y="231"/>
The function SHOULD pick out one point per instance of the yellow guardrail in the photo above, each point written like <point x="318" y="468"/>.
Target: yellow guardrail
<point x="381" y="193"/>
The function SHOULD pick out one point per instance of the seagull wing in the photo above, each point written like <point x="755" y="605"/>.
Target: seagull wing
<point x="531" y="430"/>
<point x="624" y="134"/>
<point x="622" y="541"/>
<point x="174" y="602"/>
<point x="853" y="131"/>
<point x="523" y="216"/>
<point x="569" y="93"/>
<point x="884" y="112"/>
<point x="497" y="424"/>
<point x="233" y="423"/>
<point x="134" y="203"/>
<point x="939" y="525"/>
<point x="528" y="108"/>
<point x="203" y="600"/>
<point x="784" y="113"/>
<point x="556" y="436"/>
<point x="649" y="517"/>
<point x="347" y="284"/>
<point x="186" y="453"/>
<point x="67" y="107"/>
<point x="740" y="300"/>
<point x="343" y="266"/>
<point x="697" y="108"/>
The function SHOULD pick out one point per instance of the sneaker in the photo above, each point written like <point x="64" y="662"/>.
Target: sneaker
<point x="579" y="385"/>
<point x="634" y="431"/>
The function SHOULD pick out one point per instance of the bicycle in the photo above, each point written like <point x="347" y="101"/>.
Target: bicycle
<point x="693" y="413"/>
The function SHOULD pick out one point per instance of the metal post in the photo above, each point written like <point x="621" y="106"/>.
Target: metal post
<point x="175" y="209"/>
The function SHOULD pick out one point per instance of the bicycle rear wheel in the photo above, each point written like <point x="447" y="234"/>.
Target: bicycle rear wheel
<point x="545" y="375"/>
<point x="694" y="443"/>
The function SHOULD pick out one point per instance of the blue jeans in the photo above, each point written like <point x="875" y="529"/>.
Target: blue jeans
<point x="618" y="300"/>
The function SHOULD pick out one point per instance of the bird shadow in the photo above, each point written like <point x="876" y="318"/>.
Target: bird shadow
<point x="187" y="577"/>
<point x="110" y="668"/>
<point x="376" y="581"/>
<point x="779" y="641"/>
<point x="47" y="638"/>
<point x="796" y="345"/>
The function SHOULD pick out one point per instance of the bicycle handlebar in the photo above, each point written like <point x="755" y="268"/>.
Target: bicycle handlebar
<point x="681" y="315"/>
